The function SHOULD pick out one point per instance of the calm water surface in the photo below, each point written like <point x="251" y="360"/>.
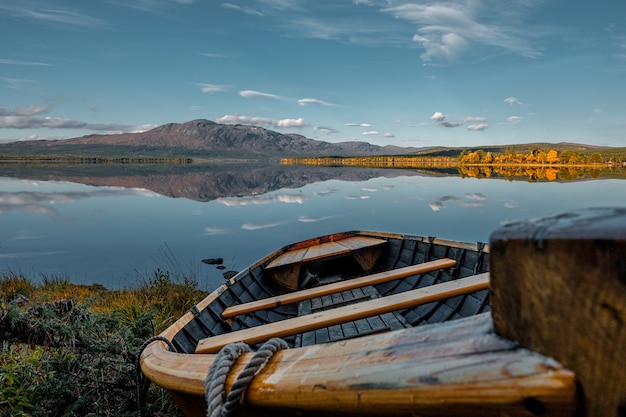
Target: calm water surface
<point x="116" y="235"/>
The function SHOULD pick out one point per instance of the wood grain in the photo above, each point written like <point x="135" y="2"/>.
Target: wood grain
<point x="339" y="315"/>
<point x="337" y="287"/>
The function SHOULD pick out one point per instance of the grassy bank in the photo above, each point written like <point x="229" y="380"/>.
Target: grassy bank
<point x="70" y="350"/>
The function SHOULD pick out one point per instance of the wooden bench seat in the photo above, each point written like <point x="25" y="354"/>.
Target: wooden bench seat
<point x="285" y="268"/>
<point x="324" y="250"/>
<point x="339" y="315"/>
<point x="337" y="287"/>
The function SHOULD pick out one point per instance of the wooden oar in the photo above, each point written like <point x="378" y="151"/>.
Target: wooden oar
<point x="338" y="286"/>
<point x="340" y="315"/>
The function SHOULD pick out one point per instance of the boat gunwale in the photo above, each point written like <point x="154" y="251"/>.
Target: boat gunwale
<point x="180" y="323"/>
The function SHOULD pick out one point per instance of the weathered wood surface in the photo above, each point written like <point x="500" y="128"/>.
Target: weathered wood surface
<point x="379" y="306"/>
<point x="339" y="286"/>
<point x="458" y="368"/>
<point x="324" y="250"/>
<point x="285" y="268"/>
<point x="559" y="288"/>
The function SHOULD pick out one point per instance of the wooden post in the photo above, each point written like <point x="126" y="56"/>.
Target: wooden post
<point x="559" y="288"/>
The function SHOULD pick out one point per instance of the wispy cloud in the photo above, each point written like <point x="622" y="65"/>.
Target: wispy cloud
<point x="478" y="127"/>
<point x="307" y="219"/>
<point x="211" y="55"/>
<point x="514" y="119"/>
<point x="212" y="88"/>
<point x="263" y="121"/>
<point x="358" y="125"/>
<point x="258" y="94"/>
<point x="45" y="11"/>
<point x="307" y="101"/>
<point x="7" y="61"/>
<point x="246" y="10"/>
<point x="445" y="30"/>
<point x="215" y="231"/>
<point x="29" y="117"/>
<point x="258" y="226"/>
<point x="327" y="130"/>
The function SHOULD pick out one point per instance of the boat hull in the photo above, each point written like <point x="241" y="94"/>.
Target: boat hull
<point x="444" y="360"/>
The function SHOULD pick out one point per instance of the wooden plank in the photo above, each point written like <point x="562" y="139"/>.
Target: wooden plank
<point x="457" y="368"/>
<point x="383" y="305"/>
<point x="290" y="257"/>
<point x="339" y="286"/>
<point x="326" y="249"/>
<point x="559" y="288"/>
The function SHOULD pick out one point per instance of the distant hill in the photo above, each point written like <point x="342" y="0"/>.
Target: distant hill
<point x="199" y="138"/>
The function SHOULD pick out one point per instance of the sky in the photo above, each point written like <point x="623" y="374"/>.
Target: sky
<point x="389" y="72"/>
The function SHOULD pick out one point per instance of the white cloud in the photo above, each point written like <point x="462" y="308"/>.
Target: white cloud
<point x="370" y="133"/>
<point x="212" y="88"/>
<point x="512" y="100"/>
<point x="474" y="119"/>
<point x="448" y="46"/>
<point x="478" y="127"/>
<point x="263" y="121"/>
<point x="325" y="129"/>
<point x="447" y="29"/>
<point x="306" y="101"/>
<point x="286" y="123"/>
<point x="514" y="119"/>
<point x="438" y="116"/>
<point x="389" y="135"/>
<point x="258" y="94"/>
<point x="358" y="124"/>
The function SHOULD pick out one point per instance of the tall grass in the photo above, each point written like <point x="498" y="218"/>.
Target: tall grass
<point x="70" y="350"/>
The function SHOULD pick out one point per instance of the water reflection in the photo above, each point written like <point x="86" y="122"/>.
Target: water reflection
<point x="110" y="227"/>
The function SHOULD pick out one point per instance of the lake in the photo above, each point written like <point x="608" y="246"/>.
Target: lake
<point x="114" y="225"/>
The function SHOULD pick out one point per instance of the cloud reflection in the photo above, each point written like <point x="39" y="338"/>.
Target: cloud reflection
<point x="263" y="199"/>
<point x="257" y="226"/>
<point x="215" y="231"/>
<point x="476" y="200"/>
<point x="307" y="219"/>
<point x="36" y="202"/>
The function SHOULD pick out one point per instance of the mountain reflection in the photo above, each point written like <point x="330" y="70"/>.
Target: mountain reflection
<point x="236" y="184"/>
<point x="230" y="184"/>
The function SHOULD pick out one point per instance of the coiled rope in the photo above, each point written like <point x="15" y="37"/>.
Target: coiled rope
<point x="214" y="384"/>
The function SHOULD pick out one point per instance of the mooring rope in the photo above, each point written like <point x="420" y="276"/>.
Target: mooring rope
<point x="214" y="384"/>
<point x="141" y="393"/>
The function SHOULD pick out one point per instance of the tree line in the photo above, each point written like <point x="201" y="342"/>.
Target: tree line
<point x="541" y="157"/>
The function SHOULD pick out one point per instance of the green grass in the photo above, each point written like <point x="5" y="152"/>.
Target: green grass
<point x="70" y="350"/>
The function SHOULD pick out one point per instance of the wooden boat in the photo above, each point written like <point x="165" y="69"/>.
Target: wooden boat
<point x="375" y="324"/>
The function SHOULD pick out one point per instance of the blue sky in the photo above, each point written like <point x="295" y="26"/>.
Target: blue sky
<point x="407" y="73"/>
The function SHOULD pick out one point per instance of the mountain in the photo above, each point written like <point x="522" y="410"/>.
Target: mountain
<point x="201" y="137"/>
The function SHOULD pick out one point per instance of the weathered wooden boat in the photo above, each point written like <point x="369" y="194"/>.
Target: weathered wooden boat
<point x="388" y="324"/>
